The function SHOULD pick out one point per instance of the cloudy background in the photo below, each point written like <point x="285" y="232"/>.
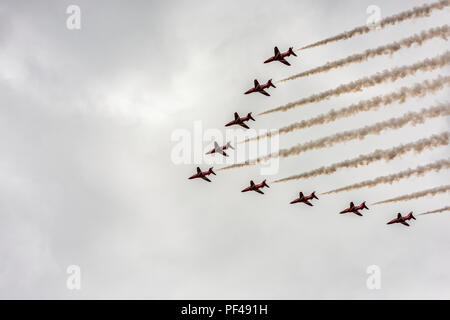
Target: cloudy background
<point x="86" y="175"/>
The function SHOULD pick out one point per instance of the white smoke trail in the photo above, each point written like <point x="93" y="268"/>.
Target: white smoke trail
<point x="417" y="12"/>
<point x="400" y="96"/>
<point x="418" y="146"/>
<point x="436" y="211"/>
<point x="413" y="118"/>
<point x="378" y="78"/>
<point x="442" y="32"/>
<point x="418" y="171"/>
<point x="417" y="195"/>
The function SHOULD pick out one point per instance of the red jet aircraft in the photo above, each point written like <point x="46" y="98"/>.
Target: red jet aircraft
<point x="256" y="187"/>
<point x="240" y="121"/>
<point x="260" y="88"/>
<point x="219" y="149"/>
<point x="402" y="220"/>
<point x="280" y="56"/>
<point x="203" y="174"/>
<point x="355" y="209"/>
<point x="304" y="199"/>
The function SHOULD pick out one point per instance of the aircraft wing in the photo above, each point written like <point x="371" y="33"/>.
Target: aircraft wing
<point x="205" y="178"/>
<point x="405" y="223"/>
<point x="357" y="213"/>
<point x="282" y="60"/>
<point x="223" y="153"/>
<point x="259" y="191"/>
<point x="308" y="203"/>
<point x="244" y="125"/>
<point x="264" y="92"/>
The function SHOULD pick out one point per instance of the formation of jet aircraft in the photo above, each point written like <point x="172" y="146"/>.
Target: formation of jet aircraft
<point x="220" y="149"/>
<point x="355" y="209"/>
<point x="278" y="56"/>
<point x="240" y="121"/>
<point x="260" y="87"/>
<point x="402" y="220"/>
<point x="304" y="199"/>
<point x="256" y="187"/>
<point x="203" y="174"/>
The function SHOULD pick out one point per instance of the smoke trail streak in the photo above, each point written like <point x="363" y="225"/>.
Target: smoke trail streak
<point x="400" y="96"/>
<point x="418" y="171"/>
<point x="413" y="118"/>
<point x="436" y="211"/>
<point x="416" y="12"/>
<point x="387" y="155"/>
<point x="442" y="32"/>
<point x="378" y="78"/>
<point x="417" y="195"/>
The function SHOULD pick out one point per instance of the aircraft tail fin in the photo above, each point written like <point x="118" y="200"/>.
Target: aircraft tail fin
<point x="229" y="145"/>
<point x="364" y="205"/>
<point x="270" y="83"/>
<point x="410" y="215"/>
<point x="211" y="171"/>
<point x="265" y="184"/>
<point x="314" y="195"/>
<point x="291" y="51"/>
<point x="249" y="115"/>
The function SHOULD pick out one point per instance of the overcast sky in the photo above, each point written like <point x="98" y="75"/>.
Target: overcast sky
<point x="87" y="178"/>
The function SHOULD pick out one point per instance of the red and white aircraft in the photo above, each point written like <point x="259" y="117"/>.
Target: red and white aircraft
<point x="256" y="187"/>
<point x="355" y="209"/>
<point x="203" y="174"/>
<point x="304" y="199"/>
<point x="240" y="121"/>
<point x="219" y="149"/>
<point x="402" y="220"/>
<point x="280" y="56"/>
<point x="260" y="87"/>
